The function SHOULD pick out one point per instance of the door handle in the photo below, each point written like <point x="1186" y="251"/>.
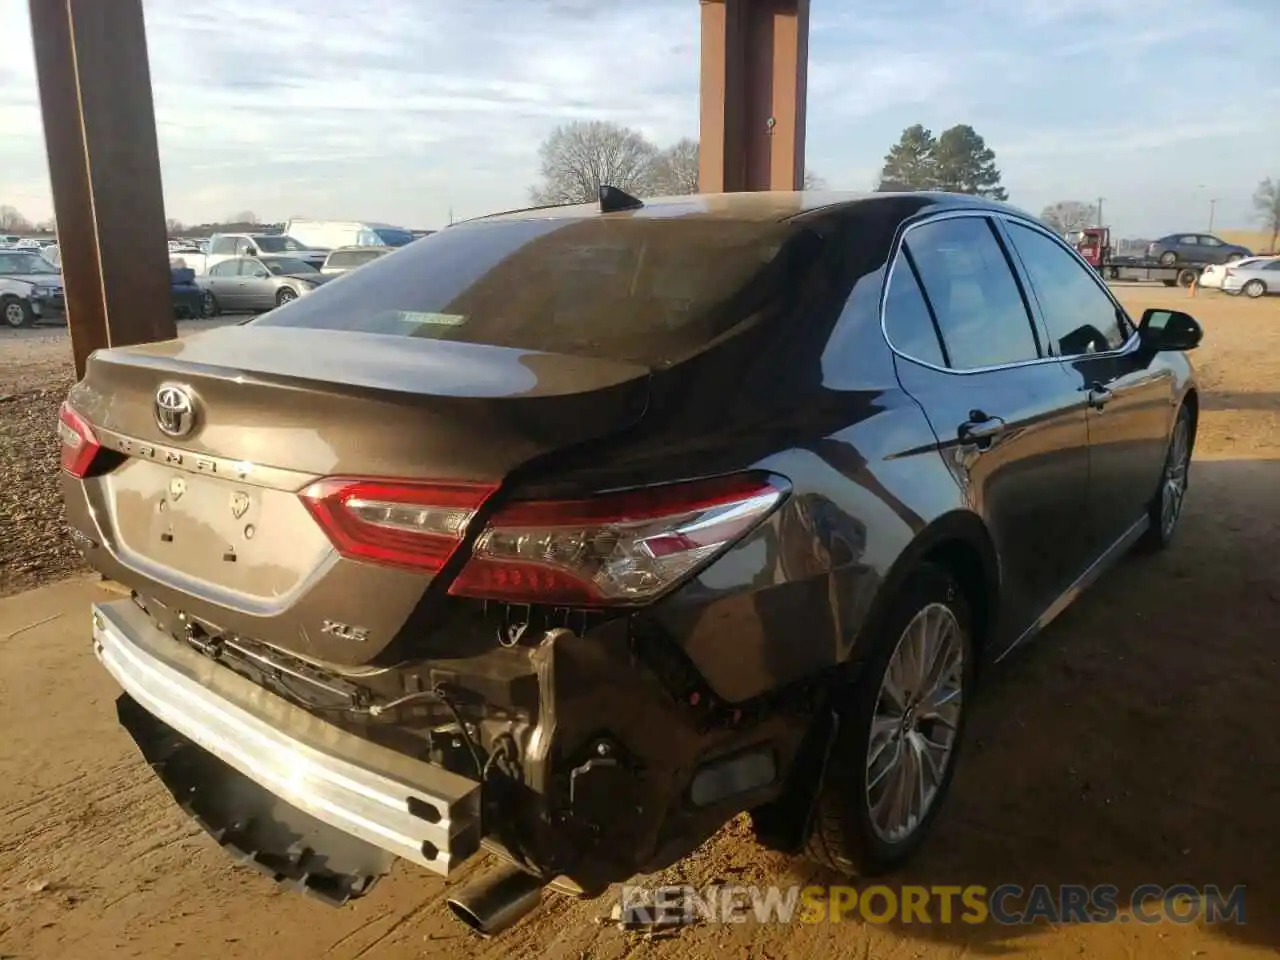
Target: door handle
<point x="981" y="430"/>
<point x="1099" y="396"/>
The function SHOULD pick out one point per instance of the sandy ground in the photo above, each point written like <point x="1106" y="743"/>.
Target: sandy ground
<point x="1134" y="743"/>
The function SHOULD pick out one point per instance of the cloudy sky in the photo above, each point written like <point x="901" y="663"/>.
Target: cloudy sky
<point x="403" y="110"/>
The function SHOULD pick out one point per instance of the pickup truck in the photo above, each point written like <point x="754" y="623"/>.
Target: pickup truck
<point x="224" y="246"/>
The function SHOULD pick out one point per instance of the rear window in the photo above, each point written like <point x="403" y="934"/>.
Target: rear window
<point x="637" y="289"/>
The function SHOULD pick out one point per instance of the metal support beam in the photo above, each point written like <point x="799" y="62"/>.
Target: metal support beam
<point x="755" y="56"/>
<point x="104" y="166"/>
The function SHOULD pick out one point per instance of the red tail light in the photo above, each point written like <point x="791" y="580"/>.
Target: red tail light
<point x="415" y="525"/>
<point x="79" y="445"/>
<point x="620" y="548"/>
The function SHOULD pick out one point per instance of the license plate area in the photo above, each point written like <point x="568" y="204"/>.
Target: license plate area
<point x="252" y="540"/>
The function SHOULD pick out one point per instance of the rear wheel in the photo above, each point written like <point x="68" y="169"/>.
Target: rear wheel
<point x="1168" y="258"/>
<point x="1233" y="257"/>
<point x="1254" y="288"/>
<point x="1165" y="509"/>
<point x="286" y="295"/>
<point x="899" y="730"/>
<point x="16" y="312"/>
<point x="209" y="306"/>
<point x="1187" y="277"/>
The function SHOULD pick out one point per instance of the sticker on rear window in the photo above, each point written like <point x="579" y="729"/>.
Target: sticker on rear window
<point x="436" y="319"/>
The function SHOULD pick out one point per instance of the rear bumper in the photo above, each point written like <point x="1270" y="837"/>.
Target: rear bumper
<point x="414" y="810"/>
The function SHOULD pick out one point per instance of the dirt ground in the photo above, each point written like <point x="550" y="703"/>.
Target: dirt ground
<point x="1134" y="743"/>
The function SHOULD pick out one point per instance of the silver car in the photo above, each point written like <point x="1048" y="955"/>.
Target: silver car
<point x="1254" y="279"/>
<point x="257" y="283"/>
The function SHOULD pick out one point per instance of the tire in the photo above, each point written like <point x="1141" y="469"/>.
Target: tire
<point x="1254" y="289"/>
<point x="1165" y="509"/>
<point x="209" y="306"/>
<point x="286" y="295"/>
<point x="846" y="834"/>
<point x="1187" y="277"/>
<point x="16" y="313"/>
<point x="1168" y="258"/>
<point x="1170" y="283"/>
<point x="1233" y="257"/>
<point x="1115" y="273"/>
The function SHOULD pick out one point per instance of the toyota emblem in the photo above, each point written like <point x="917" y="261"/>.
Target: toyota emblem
<point x="175" y="411"/>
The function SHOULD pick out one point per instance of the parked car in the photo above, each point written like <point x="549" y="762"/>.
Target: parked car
<point x="256" y="283"/>
<point x="331" y="234"/>
<point x="188" y="297"/>
<point x="1257" y="278"/>
<point x="1195" y="248"/>
<point x="224" y="246"/>
<point x="30" y="288"/>
<point x="579" y="532"/>
<point x="348" y="258"/>
<point x="1212" y="276"/>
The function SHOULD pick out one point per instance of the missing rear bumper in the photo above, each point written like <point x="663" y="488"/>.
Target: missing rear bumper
<point x="390" y="801"/>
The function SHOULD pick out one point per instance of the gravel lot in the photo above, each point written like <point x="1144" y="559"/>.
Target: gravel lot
<point x="1134" y="743"/>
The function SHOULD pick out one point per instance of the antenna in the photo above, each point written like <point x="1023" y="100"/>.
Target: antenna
<point x="613" y="200"/>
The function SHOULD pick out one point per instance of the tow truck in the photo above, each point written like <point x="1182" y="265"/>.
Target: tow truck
<point x="1094" y="245"/>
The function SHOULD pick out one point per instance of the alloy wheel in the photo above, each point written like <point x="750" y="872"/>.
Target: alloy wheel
<point x="14" y="315"/>
<point x="286" y="295"/>
<point x="1175" y="477"/>
<point x="913" y="728"/>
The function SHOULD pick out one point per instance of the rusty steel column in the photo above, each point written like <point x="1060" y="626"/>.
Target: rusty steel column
<point x="104" y="167"/>
<point x="755" y="56"/>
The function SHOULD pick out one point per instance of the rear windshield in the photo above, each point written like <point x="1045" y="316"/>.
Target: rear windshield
<point x="392" y="237"/>
<point x="278" y="244"/>
<point x="637" y="289"/>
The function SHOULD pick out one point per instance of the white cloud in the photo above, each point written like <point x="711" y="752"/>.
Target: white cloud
<point x="404" y="110"/>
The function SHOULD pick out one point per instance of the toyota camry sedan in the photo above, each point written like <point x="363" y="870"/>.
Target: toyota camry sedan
<point x="573" y="532"/>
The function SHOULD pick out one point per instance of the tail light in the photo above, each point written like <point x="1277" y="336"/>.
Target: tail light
<point x="414" y="525"/>
<point x="622" y="548"/>
<point x="79" y="445"/>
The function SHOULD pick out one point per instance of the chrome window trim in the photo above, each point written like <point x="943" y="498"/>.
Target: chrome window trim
<point x="1129" y="346"/>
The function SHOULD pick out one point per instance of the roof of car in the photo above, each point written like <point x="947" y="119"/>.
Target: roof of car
<point x="770" y="205"/>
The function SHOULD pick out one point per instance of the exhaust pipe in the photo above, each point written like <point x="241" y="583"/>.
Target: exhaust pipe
<point x="497" y="901"/>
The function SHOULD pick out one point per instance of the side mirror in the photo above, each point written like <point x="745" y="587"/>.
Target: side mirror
<point x="261" y="274"/>
<point x="1162" y="330"/>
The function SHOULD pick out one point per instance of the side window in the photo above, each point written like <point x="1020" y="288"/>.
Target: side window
<point x="1210" y="242"/>
<point x="227" y="268"/>
<point x="342" y="259"/>
<point x="1081" y="318"/>
<point x="907" y="320"/>
<point x="1188" y="241"/>
<point x="975" y="298"/>
<point x="223" y="245"/>
<point x="242" y="246"/>
<point x="1273" y="265"/>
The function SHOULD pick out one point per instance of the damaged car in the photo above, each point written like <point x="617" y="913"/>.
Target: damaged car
<point x="571" y="533"/>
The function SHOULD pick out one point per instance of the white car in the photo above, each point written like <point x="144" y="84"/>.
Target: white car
<point x="1215" y="274"/>
<point x="30" y="288"/>
<point x="1257" y="279"/>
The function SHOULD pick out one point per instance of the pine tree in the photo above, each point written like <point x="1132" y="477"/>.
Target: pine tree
<point x="909" y="164"/>
<point x="965" y="164"/>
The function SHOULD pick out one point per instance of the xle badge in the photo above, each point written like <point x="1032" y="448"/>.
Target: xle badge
<point x="344" y="631"/>
<point x="239" y="504"/>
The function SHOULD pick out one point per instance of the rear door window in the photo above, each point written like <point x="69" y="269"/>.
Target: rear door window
<point x="970" y="287"/>
<point x="648" y="290"/>
<point x="908" y="322"/>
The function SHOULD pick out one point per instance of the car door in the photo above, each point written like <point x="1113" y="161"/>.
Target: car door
<point x="1212" y="250"/>
<point x="1129" y="393"/>
<point x="1008" y="420"/>
<point x="224" y="281"/>
<point x="256" y="286"/>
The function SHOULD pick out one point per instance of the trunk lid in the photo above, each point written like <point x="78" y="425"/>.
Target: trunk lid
<point x="209" y="520"/>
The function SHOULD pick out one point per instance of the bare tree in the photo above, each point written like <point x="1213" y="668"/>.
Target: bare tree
<point x="173" y="226"/>
<point x="812" y="181"/>
<point x="578" y="157"/>
<point x="675" y="169"/>
<point x="1266" y="201"/>
<point x="1068" y="215"/>
<point x="13" y="221"/>
<point x="244" y="216"/>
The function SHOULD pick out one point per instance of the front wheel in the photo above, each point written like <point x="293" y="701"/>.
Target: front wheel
<point x="1233" y="257"/>
<point x="899" y="731"/>
<point x="286" y="295"/>
<point x="1168" y="258"/>
<point x="17" y="313"/>
<point x="209" y="306"/>
<point x="1254" y="289"/>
